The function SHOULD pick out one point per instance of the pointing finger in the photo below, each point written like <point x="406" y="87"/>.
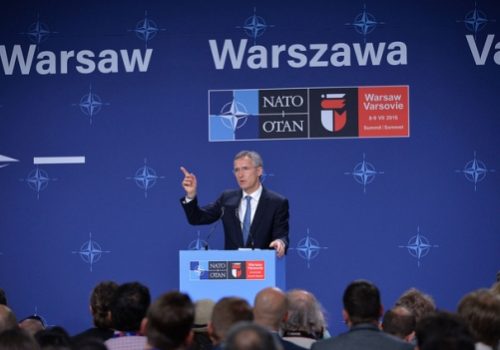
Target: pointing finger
<point x="184" y="171"/>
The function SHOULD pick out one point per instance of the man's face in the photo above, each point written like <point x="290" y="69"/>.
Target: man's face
<point x="247" y="174"/>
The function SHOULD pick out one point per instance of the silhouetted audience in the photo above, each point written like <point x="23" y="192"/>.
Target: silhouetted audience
<point x="362" y="310"/>
<point x="443" y="331"/>
<point x="100" y="301"/>
<point x="202" y="315"/>
<point x="7" y="318"/>
<point x="400" y="322"/>
<point x="305" y="321"/>
<point x="32" y="324"/>
<point x="17" y="339"/>
<point x="169" y="322"/>
<point x="419" y="303"/>
<point x="251" y="336"/>
<point x="227" y="312"/>
<point x="128" y="308"/>
<point x="3" y="297"/>
<point x="481" y="310"/>
<point x="54" y="338"/>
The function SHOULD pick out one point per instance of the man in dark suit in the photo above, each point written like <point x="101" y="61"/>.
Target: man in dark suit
<point x="362" y="309"/>
<point x="264" y="225"/>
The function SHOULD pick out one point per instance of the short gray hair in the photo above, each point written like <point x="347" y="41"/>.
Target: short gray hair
<point x="254" y="156"/>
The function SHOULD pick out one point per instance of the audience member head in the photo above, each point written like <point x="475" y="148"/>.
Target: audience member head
<point x="481" y="310"/>
<point x="55" y="338"/>
<point x="495" y="288"/>
<point x="3" y="297"/>
<point x="169" y="322"/>
<point x="441" y="327"/>
<point x="270" y="308"/>
<point x="251" y="336"/>
<point x="305" y="315"/>
<point x="129" y="306"/>
<point x="203" y="309"/>
<point x="419" y="303"/>
<point x="89" y="344"/>
<point x="32" y="324"/>
<point x="400" y="322"/>
<point x="228" y="311"/>
<point x="100" y="300"/>
<point x="361" y="303"/>
<point x="7" y="318"/>
<point x="17" y="339"/>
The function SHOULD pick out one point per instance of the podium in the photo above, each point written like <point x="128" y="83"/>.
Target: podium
<point x="215" y="274"/>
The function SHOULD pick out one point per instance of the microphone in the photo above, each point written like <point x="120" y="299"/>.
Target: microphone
<point x="214" y="227"/>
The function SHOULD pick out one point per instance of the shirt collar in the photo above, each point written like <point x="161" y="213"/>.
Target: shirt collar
<point x="255" y="195"/>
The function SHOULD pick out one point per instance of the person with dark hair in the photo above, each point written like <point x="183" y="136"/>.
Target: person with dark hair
<point x="17" y="339"/>
<point x="251" y="336"/>
<point x="128" y="308"/>
<point x="481" y="310"/>
<point x="362" y="310"/>
<point x="400" y="322"/>
<point x="54" y="338"/>
<point x="270" y="309"/>
<point x="7" y="318"/>
<point x="252" y="216"/>
<point x="444" y="331"/>
<point x="419" y="303"/>
<point x="3" y="297"/>
<point x="32" y="324"/>
<point x="100" y="301"/>
<point x="227" y="312"/>
<point x="305" y="322"/>
<point x="169" y="322"/>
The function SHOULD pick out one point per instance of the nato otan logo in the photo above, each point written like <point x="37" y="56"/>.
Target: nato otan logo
<point x="38" y="180"/>
<point x="91" y="252"/>
<point x="91" y="104"/>
<point x="308" y="248"/>
<point x="146" y="29"/>
<point x="364" y="173"/>
<point x="475" y="171"/>
<point x="364" y="23"/>
<point x="255" y="26"/>
<point x="198" y="243"/>
<point x="419" y="246"/>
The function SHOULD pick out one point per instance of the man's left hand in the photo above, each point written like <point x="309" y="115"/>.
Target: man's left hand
<point x="279" y="246"/>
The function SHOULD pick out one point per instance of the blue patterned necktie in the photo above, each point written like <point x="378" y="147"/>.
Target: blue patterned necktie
<point x="246" y="219"/>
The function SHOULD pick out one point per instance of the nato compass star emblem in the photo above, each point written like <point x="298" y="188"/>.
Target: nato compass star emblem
<point x="475" y="171"/>
<point x="146" y="29"/>
<point x="5" y="161"/>
<point x="255" y="26"/>
<point x="38" y="32"/>
<point x="364" y="173"/>
<point x="145" y="178"/>
<point x="38" y="180"/>
<point x="475" y="20"/>
<point x="234" y="115"/>
<point x="90" y="252"/>
<point x="364" y="23"/>
<point x="308" y="248"/>
<point x="90" y="104"/>
<point x="264" y="176"/>
<point x="198" y="244"/>
<point x="418" y="246"/>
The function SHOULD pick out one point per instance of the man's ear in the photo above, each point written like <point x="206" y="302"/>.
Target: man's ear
<point x="189" y="338"/>
<point x="345" y="316"/>
<point x="144" y="326"/>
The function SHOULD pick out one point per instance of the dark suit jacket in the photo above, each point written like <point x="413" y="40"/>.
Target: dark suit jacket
<point x="269" y="223"/>
<point x="362" y="336"/>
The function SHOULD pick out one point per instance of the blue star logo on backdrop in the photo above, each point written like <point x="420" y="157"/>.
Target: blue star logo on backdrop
<point x="5" y="161"/>
<point x="475" y="20"/>
<point x="38" y="180"/>
<point x="364" y="173"/>
<point x="364" y="23"/>
<point x="418" y="246"/>
<point x="91" y="252"/>
<point x="91" y="104"/>
<point x="308" y="248"/>
<point x="38" y="32"/>
<point x="255" y="26"/>
<point x="146" y="29"/>
<point x="145" y="178"/>
<point x="264" y="176"/>
<point x="475" y="171"/>
<point x="198" y="243"/>
<point x="234" y="115"/>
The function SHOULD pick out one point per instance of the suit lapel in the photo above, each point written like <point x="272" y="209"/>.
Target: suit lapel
<point x="259" y="213"/>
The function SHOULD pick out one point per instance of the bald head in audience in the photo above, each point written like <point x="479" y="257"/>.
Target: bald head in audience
<point x="7" y="319"/>
<point x="270" y="308"/>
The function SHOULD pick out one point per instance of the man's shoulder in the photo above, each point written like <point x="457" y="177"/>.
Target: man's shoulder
<point x="362" y="338"/>
<point x="273" y="195"/>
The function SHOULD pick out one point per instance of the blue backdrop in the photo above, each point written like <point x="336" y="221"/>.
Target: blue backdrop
<point x="128" y="87"/>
